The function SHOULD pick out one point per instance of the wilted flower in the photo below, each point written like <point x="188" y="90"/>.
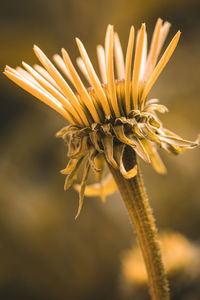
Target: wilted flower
<point x="114" y="115"/>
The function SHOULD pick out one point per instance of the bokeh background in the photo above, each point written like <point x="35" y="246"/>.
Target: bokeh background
<point x="44" y="252"/>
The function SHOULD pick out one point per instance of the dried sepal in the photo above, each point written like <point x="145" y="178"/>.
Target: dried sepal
<point x="70" y="166"/>
<point x="82" y="186"/>
<point x="92" y="153"/>
<point x="78" y="147"/>
<point x="71" y="177"/>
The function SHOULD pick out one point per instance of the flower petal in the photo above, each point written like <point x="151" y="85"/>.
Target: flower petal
<point x="107" y="142"/>
<point x="108" y="186"/>
<point x="129" y="54"/>
<point x="160" y="66"/>
<point x="70" y="178"/>
<point x="83" y="69"/>
<point x="70" y="166"/>
<point x="110" y="70"/>
<point x="61" y="83"/>
<point x="84" y="96"/>
<point x="119" y="57"/>
<point x="101" y="61"/>
<point x="137" y="65"/>
<point x="154" y="156"/>
<point x="82" y="187"/>
<point x="39" y="93"/>
<point x="119" y="154"/>
<point x="94" y="79"/>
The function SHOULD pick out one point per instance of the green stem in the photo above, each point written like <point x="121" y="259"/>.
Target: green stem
<point x="136" y="201"/>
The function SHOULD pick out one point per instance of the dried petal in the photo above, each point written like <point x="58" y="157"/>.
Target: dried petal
<point x="82" y="187"/>
<point x="119" y="154"/>
<point x="154" y="156"/>
<point x="69" y="179"/>
<point x="107" y="142"/>
<point x="70" y="166"/>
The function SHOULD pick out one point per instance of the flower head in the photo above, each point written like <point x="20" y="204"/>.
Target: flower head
<point x="113" y="115"/>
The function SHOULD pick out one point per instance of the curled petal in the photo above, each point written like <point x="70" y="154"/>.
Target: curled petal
<point x="107" y="142"/>
<point x="148" y="133"/>
<point x="69" y="179"/>
<point x="92" y="154"/>
<point x="67" y="130"/>
<point x="70" y="167"/>
<point x="107" y="129"/>
<point x="153" y="121"/>
<point x="140" y="150"/>
<point x="96" y="141"/>
<point x="120" y="152"/>
<point x="120" y="134"/>
<point x="81" y="150"/>
<point x="119" y="57"/>
<point x="97" y="162"/>
<point x="151" y="101"/>
<point x="156" y="107"/>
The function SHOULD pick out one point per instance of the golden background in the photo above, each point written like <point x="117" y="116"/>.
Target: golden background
<point x="44" y="253"/>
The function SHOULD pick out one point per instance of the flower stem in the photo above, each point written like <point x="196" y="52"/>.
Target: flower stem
<point x="137" y="203"/>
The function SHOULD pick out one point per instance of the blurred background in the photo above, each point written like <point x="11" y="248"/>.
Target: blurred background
<point x="44" y="253"/>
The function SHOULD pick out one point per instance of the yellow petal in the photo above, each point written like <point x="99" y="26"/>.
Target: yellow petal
<point x="53" y="91"/>
<point x="80" y="87"/>
<point x="83" y="69"/>
<point x="60" y="63"/>
<point x="70" y="166"/>
<point x="61" y="83"/>
<point x="163" y="34"/>
<point x="107" y="142"/>
<point x="43" y="72"/>
<point x="39" y="93"/>
<point x="119" y="57"/>
<point x="129" y="54"/>
<point x="94" y="79"/>
<point x="160" y="66"/>
<point x="152" y="56"/>
<point x="137" y="66"/>
<point x="70" y="178"/>
<point x="101" y="61"/>
<point x="154" y="156"/>
<point x="110" y="70"/>
<point x="108" y="186"/>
